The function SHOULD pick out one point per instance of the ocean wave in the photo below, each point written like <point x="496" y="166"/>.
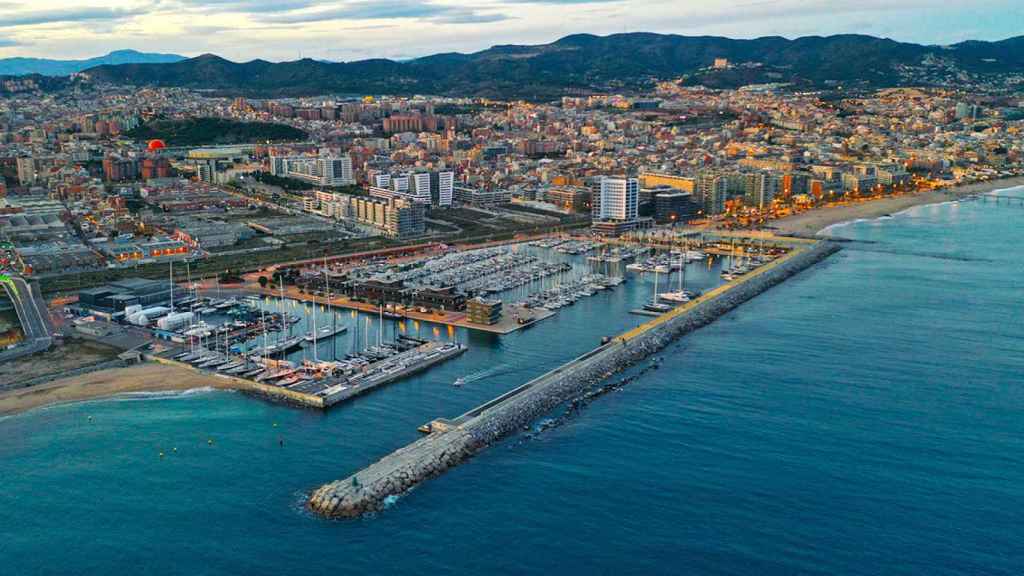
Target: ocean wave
<point x="905" y="212"/>
<point x="161" y="394"/>
<point x="999" y="191"/>
<point x="844" y="223"/>
<point x="139" y="396"/>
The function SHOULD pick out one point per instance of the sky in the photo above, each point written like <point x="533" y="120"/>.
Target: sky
<point x="279" y="30"/>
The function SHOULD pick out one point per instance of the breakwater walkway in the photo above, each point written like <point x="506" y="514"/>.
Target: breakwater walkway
<point x="450" y="442"/>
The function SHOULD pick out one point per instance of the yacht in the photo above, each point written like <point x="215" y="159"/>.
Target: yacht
<point x="680" y="297"/>
<point x="326" y="332"/>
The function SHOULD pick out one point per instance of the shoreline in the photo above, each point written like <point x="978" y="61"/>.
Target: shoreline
<point x="815" y="221"/>
<point x="148" y="377"/>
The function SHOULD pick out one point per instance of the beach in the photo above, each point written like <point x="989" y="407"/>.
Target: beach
<point x="814" y="221"/>
<point x="141" y="378"/>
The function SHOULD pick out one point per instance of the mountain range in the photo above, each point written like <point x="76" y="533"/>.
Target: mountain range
<point x="47" y="67"/>
<point x="581" y="63"/>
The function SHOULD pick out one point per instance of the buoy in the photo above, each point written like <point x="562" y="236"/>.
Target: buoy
<point x="175" y="449"/>
<point x="210" y="441"/>
<point x="161" y="454"/>
<point x="90" y="418"/>
<point x="275" y="424"/>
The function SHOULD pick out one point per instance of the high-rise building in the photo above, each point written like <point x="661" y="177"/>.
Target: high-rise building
<point x="967" y="111"/>
<point x="618" y="199"/>
<point x="335" y="171"/>
<point x="158" y="167"/>
<point x="421" y="187"/>
<point x="445" y="187"/>
<point x="760" y="188"/>
<point x="27" y="172"/>
<point x="672" y="206"/>
<point x="381" y="180"/>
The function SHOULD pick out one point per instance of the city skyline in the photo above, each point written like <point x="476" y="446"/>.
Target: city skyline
<point x="243" y="30"/>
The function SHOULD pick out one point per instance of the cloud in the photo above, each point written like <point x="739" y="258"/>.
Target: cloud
<point x="82" y="14"/>
<point x="250" y="6"/>
<point x="560" y="2"/>
<point x="8" y="42"/>
<point x="388" y="10"/>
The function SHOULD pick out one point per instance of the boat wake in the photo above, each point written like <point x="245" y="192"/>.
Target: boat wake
<point x="488" y="373"/>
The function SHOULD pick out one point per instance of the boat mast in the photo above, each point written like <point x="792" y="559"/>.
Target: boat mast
<point x="284" y="324"/>
<point x="654" y="300"/>
<point x="263" y="322"/>
<point x="170" y="284"/>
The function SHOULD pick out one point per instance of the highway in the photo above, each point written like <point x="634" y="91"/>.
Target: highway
<point x="32" y="313"/>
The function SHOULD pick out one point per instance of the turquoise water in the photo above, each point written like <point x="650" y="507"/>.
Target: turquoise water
<point x="863" y="418"/>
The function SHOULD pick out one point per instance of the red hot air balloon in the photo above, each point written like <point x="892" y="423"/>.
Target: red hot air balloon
<point x="155" y="145"/>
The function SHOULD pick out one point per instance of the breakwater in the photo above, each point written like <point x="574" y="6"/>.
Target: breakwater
<point x="453" y="441"/>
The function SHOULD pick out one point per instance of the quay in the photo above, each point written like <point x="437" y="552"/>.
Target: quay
<point x="335" y="390"/>
<point x="450" y="442"/>
<point x="505" y="325"/>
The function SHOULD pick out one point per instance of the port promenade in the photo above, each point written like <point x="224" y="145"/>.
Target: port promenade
<point x="450" y="442"/>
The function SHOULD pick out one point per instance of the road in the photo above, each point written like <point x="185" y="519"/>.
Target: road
<point x="33" y="315"/>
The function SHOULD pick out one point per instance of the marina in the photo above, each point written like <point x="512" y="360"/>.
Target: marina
<point x="449" y="442"/>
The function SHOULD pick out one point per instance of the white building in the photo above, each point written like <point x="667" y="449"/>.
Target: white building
<point x="619" y="199"/>
<point x="445" y="188"/>
<point x="421" y="187"/>
<point x="400" y="183"/>
<point x="335" y="171"/>
<point x="381" y="180"/>
<point x="322" y="171"/>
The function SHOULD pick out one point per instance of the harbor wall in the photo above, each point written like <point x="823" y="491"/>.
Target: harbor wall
<point x="368" y="490"/>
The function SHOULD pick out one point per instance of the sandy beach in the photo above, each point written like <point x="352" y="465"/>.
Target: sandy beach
<point x="149" y="377"/>
<point x="813" y="221"/>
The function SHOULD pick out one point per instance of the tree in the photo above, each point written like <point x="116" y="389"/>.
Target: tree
<point x="263" y="281"/>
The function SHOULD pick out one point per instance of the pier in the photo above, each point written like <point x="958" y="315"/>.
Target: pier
<point x="334" y="390"/>
<point x="450" y="442"/>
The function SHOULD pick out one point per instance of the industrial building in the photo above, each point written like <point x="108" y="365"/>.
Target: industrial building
<point x="116" y="296"/>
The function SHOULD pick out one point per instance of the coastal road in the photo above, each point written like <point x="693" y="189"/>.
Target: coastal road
<point x="33" y="315"/>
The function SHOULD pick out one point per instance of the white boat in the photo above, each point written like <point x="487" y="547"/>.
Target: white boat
<point x="326" y="332"/>
<point x="678" y="297"/>
<point x="459" y="382"/>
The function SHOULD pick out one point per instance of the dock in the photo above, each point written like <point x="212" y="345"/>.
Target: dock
<point x="406" y="364"/>
<point x="333" y="390"/>
<point x="507" y="324"/>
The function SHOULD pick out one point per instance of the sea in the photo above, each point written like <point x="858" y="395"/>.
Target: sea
<point x="865" y="417"/>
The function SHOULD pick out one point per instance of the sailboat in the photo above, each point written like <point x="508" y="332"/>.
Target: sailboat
<point x="654" y="305"/>
<point x="680" y="296"/>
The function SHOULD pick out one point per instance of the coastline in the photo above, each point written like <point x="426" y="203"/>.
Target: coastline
<point x="149" y="377"/>
<point x="814" y="221"/>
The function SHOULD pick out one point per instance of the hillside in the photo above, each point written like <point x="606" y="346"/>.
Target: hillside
<point x="48" y="67"/>
<point x="210" y="131"/>
<point x="585" y="62"/>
